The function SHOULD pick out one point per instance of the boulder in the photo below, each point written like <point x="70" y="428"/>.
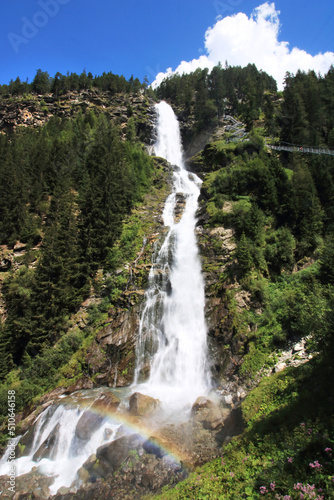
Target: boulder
<point x="141" y="405"/>
<point x="106" y="402"/>
<point x="116" y="452"/>
<point x="93" y="417"/>
<point x="87" y="424"/>
<point x="207" y="413"/>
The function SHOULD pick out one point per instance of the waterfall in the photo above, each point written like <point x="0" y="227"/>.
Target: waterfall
<point x="172" y="336"/>
<point x="171" y="341"/>
<point x="56" y="448"/>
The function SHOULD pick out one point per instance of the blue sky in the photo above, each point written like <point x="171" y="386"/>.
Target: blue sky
<point x="146" y="37"/>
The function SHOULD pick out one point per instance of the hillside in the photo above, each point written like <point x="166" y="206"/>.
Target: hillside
<point x="81" y="217"/>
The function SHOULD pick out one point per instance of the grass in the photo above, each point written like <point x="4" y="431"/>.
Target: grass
<point x="286" y="449"/>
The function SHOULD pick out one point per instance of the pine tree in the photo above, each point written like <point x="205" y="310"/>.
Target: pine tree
<point x="243" y="254"/>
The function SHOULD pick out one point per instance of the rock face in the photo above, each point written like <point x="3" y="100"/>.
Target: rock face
<point x="217" y="250"/>
<point x="206" y="412"/>
<point x="92" y="418"/>
<point x="35" y="111"/>
<point x="141" y="405"/>
<point x="44" y="451"/>
<point x="112" y="354"/>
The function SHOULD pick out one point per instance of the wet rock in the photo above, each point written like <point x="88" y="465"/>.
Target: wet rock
<point x="117" y="451"/>
<point x="88" y="423"/>
<point x="233" y="425"/>
<point x="93" y="417"/>
<point x="107" y="401"/>
<point x="180" y="199"/>
<point x="141" y="405"/>
<point x="47" y="448"/>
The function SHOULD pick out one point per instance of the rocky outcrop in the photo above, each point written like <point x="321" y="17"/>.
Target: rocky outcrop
<point x="33" y="485"/>
<point x="35" y="110"/>
<point x="142" y="406"/>
<point x="111" y="357"/>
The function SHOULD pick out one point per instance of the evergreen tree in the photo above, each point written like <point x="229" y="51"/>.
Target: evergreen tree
<point x="243" y="254"/>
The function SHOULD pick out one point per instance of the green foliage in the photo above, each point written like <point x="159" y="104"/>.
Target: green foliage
<point x="61" y="84"/>
<point x="73" y="186"/>
<point x="307" y="109"/>
<point x="286" y="449"/>
<point x="207" y="94"/>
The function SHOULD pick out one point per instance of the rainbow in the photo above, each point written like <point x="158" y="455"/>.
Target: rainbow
<point x="136" y="425"/>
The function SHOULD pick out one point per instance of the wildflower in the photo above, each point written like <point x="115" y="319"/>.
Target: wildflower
<point x="290" y="460"/>
<point x="309" y="431"/>
<point x="272" y="486"/>
<point x="329" y="451"/>
<point x="302" y="424"/>
<point x="315" y="465"/>
<point x="263" y="490"/>
<point x="232" y="474"/>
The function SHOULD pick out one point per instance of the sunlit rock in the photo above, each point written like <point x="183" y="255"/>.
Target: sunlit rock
<point x="207" y="413"/>
<point x="141" y="405"/>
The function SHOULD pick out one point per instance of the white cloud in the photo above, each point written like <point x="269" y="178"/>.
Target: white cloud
<point x="241" y="40"/>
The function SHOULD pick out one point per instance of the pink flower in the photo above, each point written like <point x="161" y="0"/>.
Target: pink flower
<point x="272" y="486"/>
<point x="232" y="474"/>
<point x="263" y="490"/>
<point x="329" y="451"/>
<point x="290" y="460"/>
<point x="315" y="465"/>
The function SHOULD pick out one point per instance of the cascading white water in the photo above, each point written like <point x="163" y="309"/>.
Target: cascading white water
<point x="173" y="324"/>
<point x="172" y="336"/>
<point x="56" y="449"/>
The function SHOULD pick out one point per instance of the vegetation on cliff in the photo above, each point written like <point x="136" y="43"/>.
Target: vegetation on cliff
<point x="67" y="189"/>
<point x="279" y="209"/>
